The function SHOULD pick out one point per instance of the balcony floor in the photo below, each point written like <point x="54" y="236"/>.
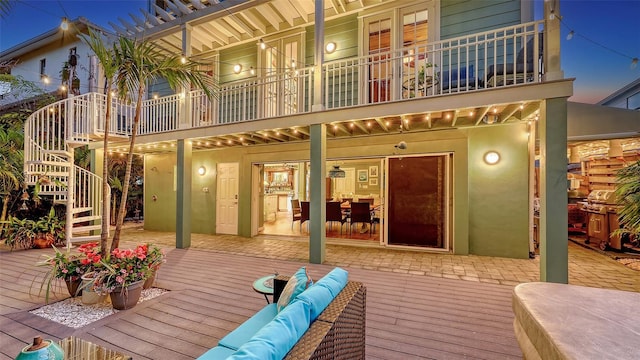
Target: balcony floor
<point x="420" y="305"/>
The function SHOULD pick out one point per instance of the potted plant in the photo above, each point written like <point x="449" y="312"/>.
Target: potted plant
<point x="92" y="262"/>
<point x="628" y="199"/>
<point x="49" y="230"/>
<point x="123" y="276"/>
<point x="62" y="265"/>
<point x="19" y="232"/>
<point x="155" y="257"/>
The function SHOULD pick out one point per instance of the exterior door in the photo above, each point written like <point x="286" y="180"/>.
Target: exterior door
<point x="396" y="46"/>
<point x="417" y="206"/>
<point x="227" y="199"/>
<point x="280" y="61"/>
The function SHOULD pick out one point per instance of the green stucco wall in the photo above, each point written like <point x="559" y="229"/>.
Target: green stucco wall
<point x="498" y="194"/>
<point x="490" y="202"/>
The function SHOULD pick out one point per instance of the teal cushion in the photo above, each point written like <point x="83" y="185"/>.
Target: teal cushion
<point x="322" y="293"/>
<point x="279" y="336"/>
<point x="247" y="329"/>
<point x="318" y="297"/>
<point x="298" y="283"/>
<point x="335" y="281"/>
<point x="217" y="353"/>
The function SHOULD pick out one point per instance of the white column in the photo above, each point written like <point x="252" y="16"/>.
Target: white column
<point x="184" y="121"/>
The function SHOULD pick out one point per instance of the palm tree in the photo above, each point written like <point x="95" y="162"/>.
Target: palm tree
<point x="111" y="66"/>
<point x="628" y="198"/>
<point x="141" y="62"/>
<point x="11" y="158"/>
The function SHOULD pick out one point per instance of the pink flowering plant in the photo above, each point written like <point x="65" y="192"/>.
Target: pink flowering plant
<point x="123" y="268"/>
<point x="61" y="265"/>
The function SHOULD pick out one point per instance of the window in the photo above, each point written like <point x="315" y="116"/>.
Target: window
<point x="43" y="68"/>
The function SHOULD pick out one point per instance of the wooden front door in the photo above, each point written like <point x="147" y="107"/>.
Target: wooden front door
<point x="417" y="206"/>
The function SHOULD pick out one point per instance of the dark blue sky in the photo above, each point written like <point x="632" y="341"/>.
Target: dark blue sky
<point x="598" y="71"/>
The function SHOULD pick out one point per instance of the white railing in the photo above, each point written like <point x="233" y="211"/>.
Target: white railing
<point x="88" y="191"/>
<point x="159" y="115"/>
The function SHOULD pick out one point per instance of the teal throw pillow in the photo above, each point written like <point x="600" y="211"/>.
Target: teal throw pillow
<point x="296" y="285"/>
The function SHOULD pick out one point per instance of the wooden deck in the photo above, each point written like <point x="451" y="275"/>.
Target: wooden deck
<point x="408" y="316"/>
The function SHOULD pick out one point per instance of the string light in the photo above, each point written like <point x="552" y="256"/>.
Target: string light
<point x="262" y="44"/>
<point x="64" y="25"/>
<point x="572" y="33"/>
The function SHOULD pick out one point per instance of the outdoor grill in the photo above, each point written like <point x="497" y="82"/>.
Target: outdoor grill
<point x="602" y="218"/>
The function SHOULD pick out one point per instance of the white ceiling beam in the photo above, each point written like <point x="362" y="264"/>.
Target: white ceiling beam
<point x="163" y="14"/>
<point x="150" y="18"/>
<point x="272" y="17"/>
<point x="253" y="20"/>
<point x="182" y="7"/>
<point x="141" y="23"/>
<point x="285" y="12"/>
<point x="198" y="4"/>
<point x="128" y="25"/>
<point x="119" y="29"/>
<point x="237" y="23"/>
<point x="224" y="26"/>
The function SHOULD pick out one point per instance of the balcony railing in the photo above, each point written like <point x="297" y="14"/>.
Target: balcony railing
<point x="491" y="59"/>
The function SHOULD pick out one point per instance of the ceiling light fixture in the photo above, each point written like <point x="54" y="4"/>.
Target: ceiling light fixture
<point x="237" y="68"/>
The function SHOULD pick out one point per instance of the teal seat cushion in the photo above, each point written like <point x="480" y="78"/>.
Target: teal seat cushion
<point x="335" y="281"/>
<point x="322" y="293"/>
<point x="247" y="329"/>
<point x="318" y="297"/>
<point x="217" y="353"/>
<point x="278" y="337"/>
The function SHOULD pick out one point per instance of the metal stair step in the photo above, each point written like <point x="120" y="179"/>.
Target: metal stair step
<point x="58" y="153"/>
<point x="82" y="209"/>
<point x="52" y="163"/>
<point x="54" y="193"/>
<point x="77" y="239"/>
<point x="86" y="218"/>
<point x="86" y="228"/>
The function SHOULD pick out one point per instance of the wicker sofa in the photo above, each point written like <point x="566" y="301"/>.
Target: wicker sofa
<point x="337" y="333"/>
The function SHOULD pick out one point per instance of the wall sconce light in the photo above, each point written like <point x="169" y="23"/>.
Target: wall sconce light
<point x="252" y="71"/>
<point x="330" y="47"/>
<point x="491" y="157"/>
<point x="154" y="197"/>
<point x="202" y="170"/>
<point x="237" y="68"/>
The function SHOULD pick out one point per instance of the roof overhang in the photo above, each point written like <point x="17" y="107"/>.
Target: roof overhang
<point x="596" y="122"/>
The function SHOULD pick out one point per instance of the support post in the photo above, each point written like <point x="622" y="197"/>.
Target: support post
<point x="318" y="57"/>
<point x="183" y="195"/>
<point x="71" y="197"/>
<point x="317" y="206"/>
<point x="551" y="46"/>
<point x="554" y="234"/>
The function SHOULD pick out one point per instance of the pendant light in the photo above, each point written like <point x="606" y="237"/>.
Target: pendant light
<point x="336" y="172"/>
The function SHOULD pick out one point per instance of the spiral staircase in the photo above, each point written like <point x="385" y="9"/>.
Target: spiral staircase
<point x="50" y="136"/>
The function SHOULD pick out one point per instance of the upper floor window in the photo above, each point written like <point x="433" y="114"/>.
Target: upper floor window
<point x="43" y="68"/>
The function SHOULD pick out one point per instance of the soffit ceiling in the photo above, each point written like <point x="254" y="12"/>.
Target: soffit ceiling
<point x="216" y="25"/>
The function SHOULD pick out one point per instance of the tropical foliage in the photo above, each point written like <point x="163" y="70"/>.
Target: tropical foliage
<point x="25" y="233"/>
<point x="628" y="198"/>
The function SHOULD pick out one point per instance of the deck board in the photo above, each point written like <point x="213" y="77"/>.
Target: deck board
<point x="408" y="316"/>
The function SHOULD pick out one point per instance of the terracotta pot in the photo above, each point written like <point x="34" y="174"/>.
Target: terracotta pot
<point x="43" y="241"/>
<point x="73" y="287"/>
<point x="150" y="280"/>
<point x="123" y="298"/>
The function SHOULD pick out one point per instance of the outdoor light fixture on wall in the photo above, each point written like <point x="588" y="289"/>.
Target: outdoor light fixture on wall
<point x="202" y="170"/>
<point x="237" y="68"/>
<point x="491" y="157"/>
<point x="330" y="47"/>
